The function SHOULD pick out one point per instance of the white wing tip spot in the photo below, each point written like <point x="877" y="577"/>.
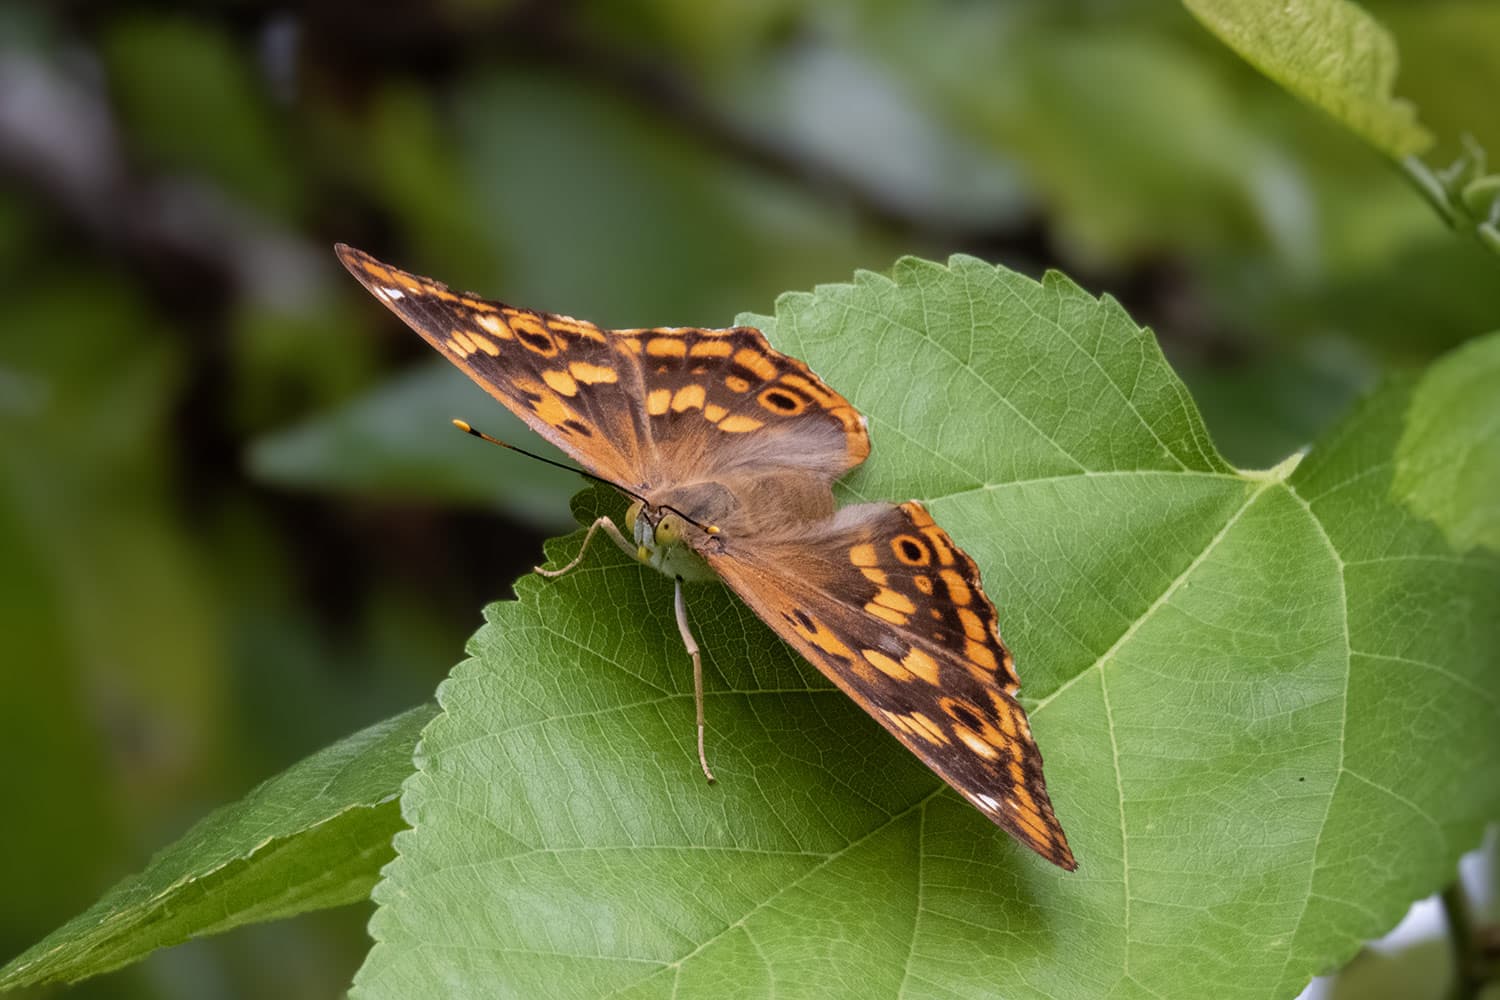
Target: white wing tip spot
<point x="988" y="801"/>
<point x="391" y="293"/>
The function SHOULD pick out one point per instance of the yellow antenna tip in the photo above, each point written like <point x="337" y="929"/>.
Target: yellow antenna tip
<point x="463" y="426"/>
<point x="712" y="529"/>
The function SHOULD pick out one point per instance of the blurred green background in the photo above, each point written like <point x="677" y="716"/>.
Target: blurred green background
<point x="234" y="524"/>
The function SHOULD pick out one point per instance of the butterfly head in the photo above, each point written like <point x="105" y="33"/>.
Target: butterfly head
<point x="666" y="540"/>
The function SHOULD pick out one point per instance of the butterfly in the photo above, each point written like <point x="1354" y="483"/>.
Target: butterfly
<point x="730" y="450"/>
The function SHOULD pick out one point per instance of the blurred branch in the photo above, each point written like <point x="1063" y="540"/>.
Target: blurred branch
<point x="191" y="244"/>
<point x="663" y="93"/>
<point x="190" y="248"/>
<point x="1474" y="947"/>
<point x="411" y="38"/>
<point x="1464" y="194"/>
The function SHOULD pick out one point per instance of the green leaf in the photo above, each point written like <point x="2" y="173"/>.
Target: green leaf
<point x="312" y="837"/>
<point x="190" y="97"/>
<point x="397" y="440"/>
<point x="1331" y="54"/>
<point x="1253" y="691"/>
<point x="1448" y="461"/>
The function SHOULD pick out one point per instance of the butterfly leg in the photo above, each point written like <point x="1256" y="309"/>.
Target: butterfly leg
<point x="609" y="529"/>
<point x="680" y="606"/>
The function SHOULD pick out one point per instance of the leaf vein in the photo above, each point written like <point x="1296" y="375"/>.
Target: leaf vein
<point x="1156" y="605"/>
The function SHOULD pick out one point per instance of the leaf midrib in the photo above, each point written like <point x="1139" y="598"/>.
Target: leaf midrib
<point x="1312" y="864"/>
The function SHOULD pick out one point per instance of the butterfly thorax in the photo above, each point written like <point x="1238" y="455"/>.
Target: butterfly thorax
<point x="676" y="526"/>
<point x="667" y="538"/>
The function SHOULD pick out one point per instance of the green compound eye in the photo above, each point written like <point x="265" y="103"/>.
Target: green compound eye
<point x="631" y="515"/>
<point x="669" y="530"/>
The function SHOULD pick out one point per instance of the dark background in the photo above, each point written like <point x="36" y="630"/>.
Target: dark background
<point x="234" y="524"/>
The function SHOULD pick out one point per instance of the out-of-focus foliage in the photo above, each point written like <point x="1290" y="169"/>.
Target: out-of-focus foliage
<point x="398" y="441"/>
<point x="1334" y="55"/>
<point x="324" y="826"/>
<point x="1329" y="52"/>
<point x="235" y="529"/>
<point x="1448" y="464"/>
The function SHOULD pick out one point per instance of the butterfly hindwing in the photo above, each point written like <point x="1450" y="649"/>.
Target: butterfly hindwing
<point x="886" y="606"/>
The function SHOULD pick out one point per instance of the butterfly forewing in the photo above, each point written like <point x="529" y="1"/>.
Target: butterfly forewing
<point x="877" y="596"/>
<point x="644" y="408"/>
<point x="722" y="401"/>
<point x="561" y="376"/>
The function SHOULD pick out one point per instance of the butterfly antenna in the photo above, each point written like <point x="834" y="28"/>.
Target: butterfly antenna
<point x="468" y="428"/>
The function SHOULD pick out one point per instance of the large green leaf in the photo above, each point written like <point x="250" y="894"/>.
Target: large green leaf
<point x="1265" y="699"/>
<point x="1448" y="463"/>
<point x="1327" y="52"/>
<point x="312" y="837"/>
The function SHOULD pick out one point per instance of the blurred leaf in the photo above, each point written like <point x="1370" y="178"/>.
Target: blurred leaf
<point x="84" y="473"/>
<point x="1328" y="52"/>
<point x="113" y="693"/>
<point x="1410" y="302"/>
<point x="1263" y="409"/>
<point x="44" y="716"/>
<point x="417" y="173"/>
<point x="714" y="39"/>
<point x="295" y="360"/>
<point x="1237" y="730"/>
<point x="1450" y="66"/>
<point x="598" y="209"/>
<point x="1142" y="136"/>
<point x="834" y="105"/>
<point x="189" y="98"/>
<point x="1163" y="129"/>
<point x="1420" y="971"/>
<point x="297" y="678"/>
<point x="312" y="837"/>
<point x="1448" y="462"/>
<point x="1131" y="138"/>
<point x="399" y="440"/>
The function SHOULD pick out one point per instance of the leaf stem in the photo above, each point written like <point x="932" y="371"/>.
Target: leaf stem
<point x="1429" y="186"/>
<point x="1467" y="980"/>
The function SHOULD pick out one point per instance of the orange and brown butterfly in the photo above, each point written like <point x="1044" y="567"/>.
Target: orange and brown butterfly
<point x="731" y="450"/>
